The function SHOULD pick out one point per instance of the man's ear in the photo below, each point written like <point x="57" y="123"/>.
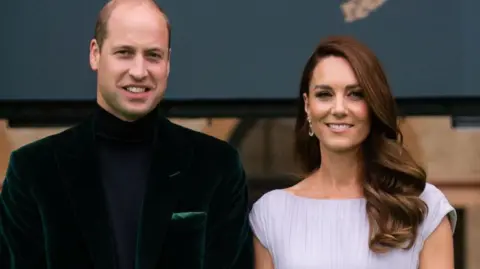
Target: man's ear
<point x="94" y="54"/>
<point x="168" y="63"/>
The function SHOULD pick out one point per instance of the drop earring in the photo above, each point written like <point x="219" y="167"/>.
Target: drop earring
<point x="310" y="130"/>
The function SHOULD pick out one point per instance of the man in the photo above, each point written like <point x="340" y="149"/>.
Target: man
<point x="126" y="188"/>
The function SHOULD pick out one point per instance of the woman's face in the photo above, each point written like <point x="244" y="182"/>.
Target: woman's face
<point x="339" y="114"/>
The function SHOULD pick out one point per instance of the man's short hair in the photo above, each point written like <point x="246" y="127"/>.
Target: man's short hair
<point x="101" y="29"/>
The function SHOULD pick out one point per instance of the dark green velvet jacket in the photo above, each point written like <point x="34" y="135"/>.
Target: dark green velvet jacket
<point x="194" y="214"/>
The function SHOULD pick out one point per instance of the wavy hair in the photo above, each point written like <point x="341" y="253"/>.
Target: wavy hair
<point x="393" y="181"/>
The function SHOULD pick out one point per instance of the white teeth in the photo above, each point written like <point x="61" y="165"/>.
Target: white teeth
<point x="136" y="89"/>
<point x="339" y="126"/>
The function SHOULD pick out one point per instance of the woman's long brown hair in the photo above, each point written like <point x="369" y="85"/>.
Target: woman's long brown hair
<point x="393" y="180"/>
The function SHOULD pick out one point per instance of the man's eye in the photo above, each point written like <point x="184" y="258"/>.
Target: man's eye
<point x="155" y="55"/>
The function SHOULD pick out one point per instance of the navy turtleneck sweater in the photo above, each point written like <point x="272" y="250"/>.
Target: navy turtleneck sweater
<point x="124" y="151"/>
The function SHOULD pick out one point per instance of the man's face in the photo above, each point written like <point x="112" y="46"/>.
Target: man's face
<point x="134" y="62"/>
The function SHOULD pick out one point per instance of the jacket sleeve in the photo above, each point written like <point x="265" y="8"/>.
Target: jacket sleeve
<point x="229" y="237"/>
<point x="20" y="225"/>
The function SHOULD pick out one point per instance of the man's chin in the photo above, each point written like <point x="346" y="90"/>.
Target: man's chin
<point x="135" y="113"/>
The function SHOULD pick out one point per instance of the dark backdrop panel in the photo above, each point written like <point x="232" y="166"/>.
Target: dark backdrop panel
<point x="245" y="49"/>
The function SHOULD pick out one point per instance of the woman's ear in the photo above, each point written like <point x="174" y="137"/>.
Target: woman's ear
<point x="306" y="104"/>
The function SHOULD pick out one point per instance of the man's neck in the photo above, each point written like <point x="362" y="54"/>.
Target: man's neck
<point x="110" y="127"/>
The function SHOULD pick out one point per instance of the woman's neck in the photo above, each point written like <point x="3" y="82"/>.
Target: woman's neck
<point x="341" y="172"/>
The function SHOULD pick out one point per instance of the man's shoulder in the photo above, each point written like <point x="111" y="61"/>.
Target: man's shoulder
<point x="39" y="148"/>
<point x="33" y="161"/>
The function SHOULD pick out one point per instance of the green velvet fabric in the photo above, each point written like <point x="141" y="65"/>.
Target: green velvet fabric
<point x="195" y="211"/>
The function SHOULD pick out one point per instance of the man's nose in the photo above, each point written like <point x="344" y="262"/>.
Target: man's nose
<point x="138" y="70"/>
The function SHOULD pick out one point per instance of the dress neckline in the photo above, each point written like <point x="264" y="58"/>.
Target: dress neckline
<point x="298" y="197"/>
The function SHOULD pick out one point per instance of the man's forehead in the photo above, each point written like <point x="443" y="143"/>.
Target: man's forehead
<point x="121" y="8"/>
<point x="139" y="37"/>
<point x="136" y="18"/>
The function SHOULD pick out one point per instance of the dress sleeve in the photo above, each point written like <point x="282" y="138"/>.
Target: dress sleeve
<point x="258" y="220"/>
<point x="438" y="208"/>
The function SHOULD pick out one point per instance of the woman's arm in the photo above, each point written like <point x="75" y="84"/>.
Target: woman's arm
<point x="437" y="252"/>
<point x="263" y="259"/>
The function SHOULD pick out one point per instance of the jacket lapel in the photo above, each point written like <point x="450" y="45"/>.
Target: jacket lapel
<point x="78" y="169"/>
<point x="171" y="161"/>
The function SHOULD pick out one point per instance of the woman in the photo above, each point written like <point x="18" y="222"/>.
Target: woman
<point x="365" y="203"/>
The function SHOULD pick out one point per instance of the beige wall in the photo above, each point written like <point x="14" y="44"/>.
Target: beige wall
<point x="451" y="157"/>
<point x="5" y="149"/>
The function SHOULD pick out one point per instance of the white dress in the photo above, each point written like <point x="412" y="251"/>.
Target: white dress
<point x="306" y="233"/>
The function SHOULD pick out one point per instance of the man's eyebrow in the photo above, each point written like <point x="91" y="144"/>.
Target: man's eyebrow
<point x="152" y="49"/>
<point x="122" y="47"/>
<point x="157" y="49"/>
